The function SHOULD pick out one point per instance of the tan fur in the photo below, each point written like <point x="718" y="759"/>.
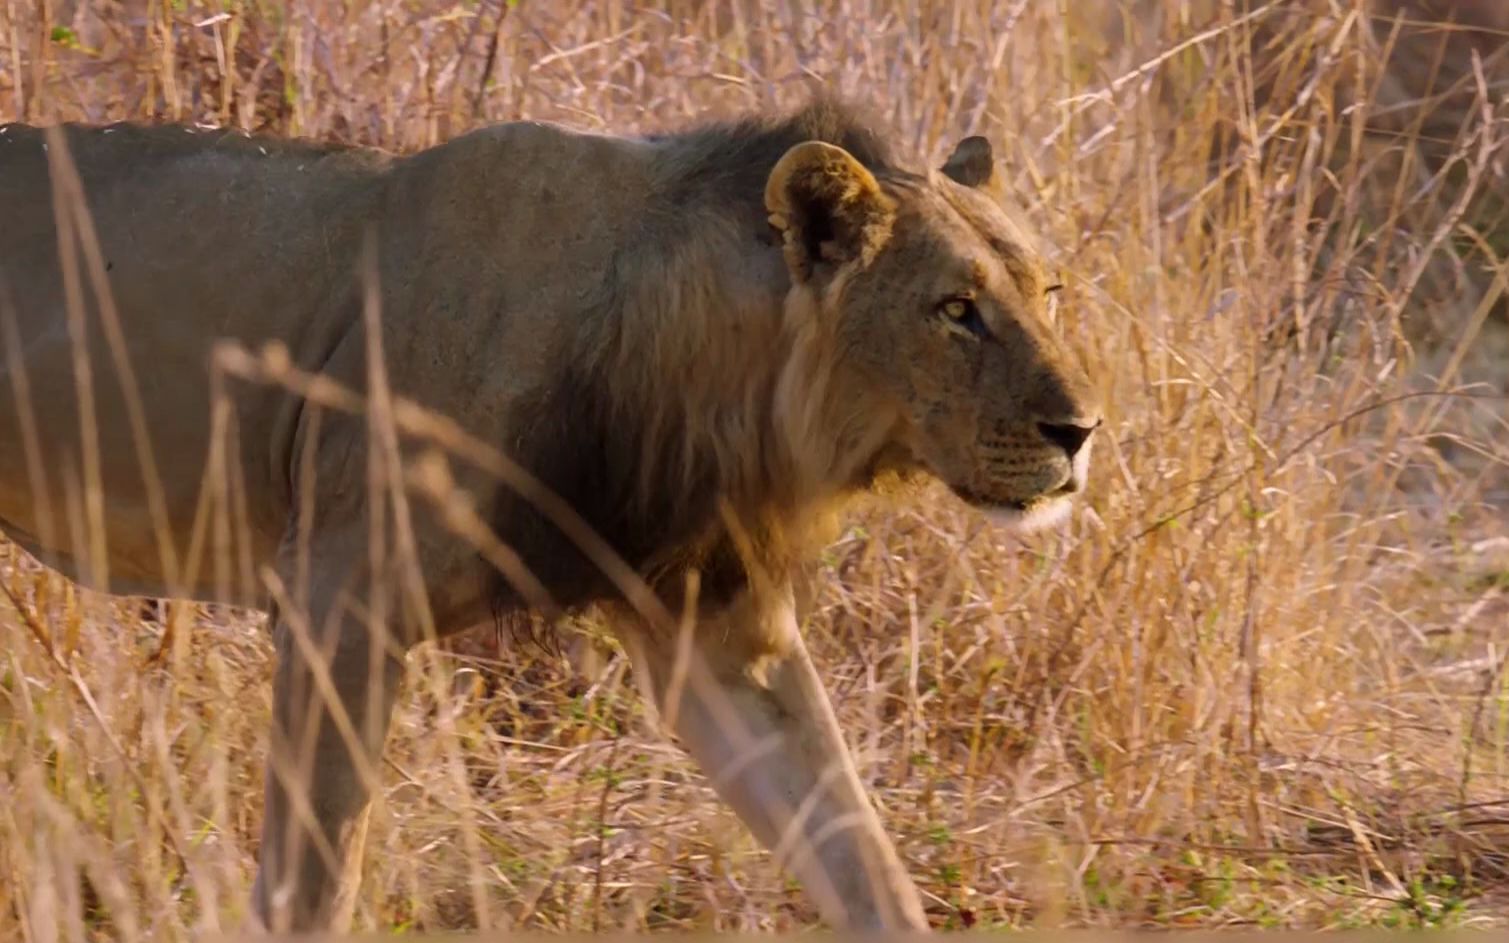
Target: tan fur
<point x="703" y="342"/>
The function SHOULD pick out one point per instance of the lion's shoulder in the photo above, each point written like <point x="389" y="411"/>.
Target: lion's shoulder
<point x="521" y="151"/>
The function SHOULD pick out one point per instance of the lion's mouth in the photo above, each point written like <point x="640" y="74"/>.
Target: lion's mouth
<point x="1022" y="514"/>
<point x="985" y="502"/>
<point x="979" y="501"/>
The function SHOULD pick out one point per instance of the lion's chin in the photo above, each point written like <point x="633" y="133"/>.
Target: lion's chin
<point x="1033" y="516"/>
<point x="1022" y="516"/>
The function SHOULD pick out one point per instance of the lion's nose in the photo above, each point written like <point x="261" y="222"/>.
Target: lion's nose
<point x="1069" y="436"/>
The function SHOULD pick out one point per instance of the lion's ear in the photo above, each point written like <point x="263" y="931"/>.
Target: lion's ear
<point x="972" y="163"/>
<point x="829" y="208"/>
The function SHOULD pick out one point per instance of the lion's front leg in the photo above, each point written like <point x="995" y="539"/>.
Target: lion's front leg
<point x="335" y="686"/>
<point x="742" y="694"/>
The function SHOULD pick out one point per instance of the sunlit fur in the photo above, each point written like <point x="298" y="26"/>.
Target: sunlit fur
<point x="704" y="342"/>
<point x="689" y="365"/>
<point x="724" y="380"/>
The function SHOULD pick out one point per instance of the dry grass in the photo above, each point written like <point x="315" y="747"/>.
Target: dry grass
<point x="1259" y="680"/>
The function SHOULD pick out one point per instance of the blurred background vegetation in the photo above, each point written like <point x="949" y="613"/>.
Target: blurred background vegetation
<point x="1259" y="680"/>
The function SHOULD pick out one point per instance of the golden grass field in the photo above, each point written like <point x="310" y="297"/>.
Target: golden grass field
<point x="1258" y="680"/>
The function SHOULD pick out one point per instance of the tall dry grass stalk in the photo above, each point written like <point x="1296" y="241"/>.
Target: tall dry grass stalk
<point x="1259" y="679"/>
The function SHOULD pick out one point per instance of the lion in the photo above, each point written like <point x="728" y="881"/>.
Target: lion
<point x="701" y="343"/>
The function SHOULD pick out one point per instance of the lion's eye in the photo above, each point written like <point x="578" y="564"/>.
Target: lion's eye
<point x="964" y="312"/>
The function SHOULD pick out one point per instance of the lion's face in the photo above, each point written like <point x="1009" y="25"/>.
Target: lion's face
<point x="943" y="313"/>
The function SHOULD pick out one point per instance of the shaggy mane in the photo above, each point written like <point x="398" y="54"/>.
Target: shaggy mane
<point x="666" y="428"/>
<point x="730" y="159"/>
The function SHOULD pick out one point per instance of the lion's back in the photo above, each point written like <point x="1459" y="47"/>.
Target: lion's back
<point x="497" y="250"/>
<point x="199" y="235"/>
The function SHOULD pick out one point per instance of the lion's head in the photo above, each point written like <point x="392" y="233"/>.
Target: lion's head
<point x="899" y="325"/>
<point x="938" y="319"/>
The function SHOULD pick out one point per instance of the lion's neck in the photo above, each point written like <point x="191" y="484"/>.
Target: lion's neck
<point x="698" y="423"/>
<point x="735" y="388"/>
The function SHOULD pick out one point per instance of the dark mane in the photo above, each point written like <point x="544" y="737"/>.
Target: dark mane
<point x="731" y="159"/>
<point x="588" y="446"/>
